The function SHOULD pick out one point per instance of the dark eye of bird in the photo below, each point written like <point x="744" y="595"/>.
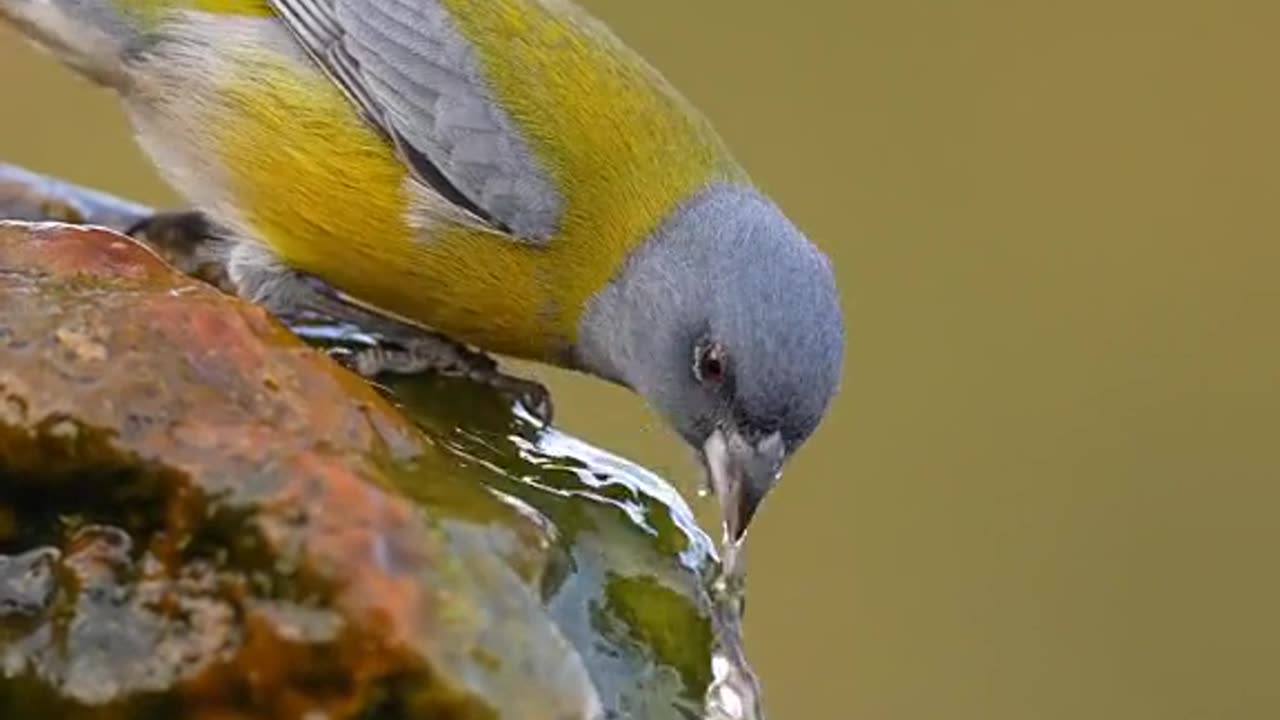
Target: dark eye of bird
<point x="710" y="366"/>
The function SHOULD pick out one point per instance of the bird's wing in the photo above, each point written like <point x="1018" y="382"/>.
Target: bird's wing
<point x="417" y="79"/>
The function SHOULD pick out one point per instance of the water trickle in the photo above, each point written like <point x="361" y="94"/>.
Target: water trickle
<point x="618" y="525"/>
<point x="734" y="693"/>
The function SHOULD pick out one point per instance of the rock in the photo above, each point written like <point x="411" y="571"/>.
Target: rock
<point x="631" y="588"/>
<point x="215" y="504"/>
<point x="201" y="516"/>
<point x="25" y="195"/>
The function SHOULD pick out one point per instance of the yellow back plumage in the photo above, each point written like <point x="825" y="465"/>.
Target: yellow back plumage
<point x="329" y="195"/>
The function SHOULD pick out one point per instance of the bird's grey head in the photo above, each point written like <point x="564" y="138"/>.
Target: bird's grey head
<point x="727" y="320"/>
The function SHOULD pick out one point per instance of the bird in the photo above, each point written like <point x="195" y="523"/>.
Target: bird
<point x="477" y="177"/>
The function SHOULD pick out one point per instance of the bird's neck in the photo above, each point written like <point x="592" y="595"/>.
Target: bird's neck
<point x="635" y="330"/>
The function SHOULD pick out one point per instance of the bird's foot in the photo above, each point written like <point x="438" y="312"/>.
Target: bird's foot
<point x="428" y="352"/>
<point x="187" y="240"/>
<point x="180" y="226"/>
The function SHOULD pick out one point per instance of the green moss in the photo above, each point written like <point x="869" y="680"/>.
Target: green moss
<point x="665" y="621"/>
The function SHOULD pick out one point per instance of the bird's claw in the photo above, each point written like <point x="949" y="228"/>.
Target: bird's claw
<point x="532" y="396"/>
<point x="188" y="241"/>
<point x="445" y="357"/>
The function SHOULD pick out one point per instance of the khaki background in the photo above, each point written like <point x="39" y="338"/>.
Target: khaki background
<point x="1050" y="487"/>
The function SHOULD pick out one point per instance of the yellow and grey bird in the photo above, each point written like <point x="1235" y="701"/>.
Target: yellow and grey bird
<point x="504" y="173"/>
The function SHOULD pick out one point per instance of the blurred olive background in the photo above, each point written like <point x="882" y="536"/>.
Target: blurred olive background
<point x="1050" y="485"/>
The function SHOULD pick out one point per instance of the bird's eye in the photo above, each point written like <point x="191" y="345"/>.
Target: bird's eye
<point x="710" y="364"/>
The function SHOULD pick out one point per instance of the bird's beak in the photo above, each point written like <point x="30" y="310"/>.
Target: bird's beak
<point x="741" y="474"/>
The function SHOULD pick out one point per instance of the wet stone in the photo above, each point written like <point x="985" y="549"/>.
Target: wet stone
<point x="27" y="585"/>
<point x="203" y="516"/>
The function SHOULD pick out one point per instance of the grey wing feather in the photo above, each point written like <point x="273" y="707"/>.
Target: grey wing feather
<point x="416" y="79"/>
